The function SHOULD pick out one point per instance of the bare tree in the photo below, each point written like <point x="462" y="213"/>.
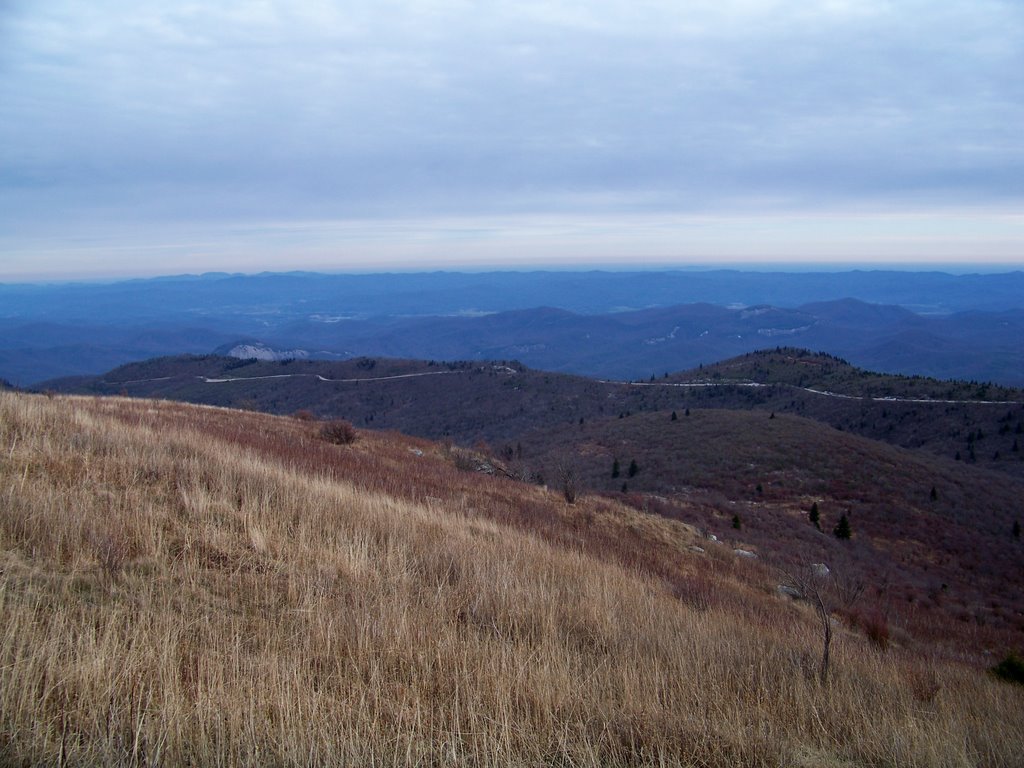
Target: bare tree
<point x="567" y="474"/>
<point x="826" y="592"/>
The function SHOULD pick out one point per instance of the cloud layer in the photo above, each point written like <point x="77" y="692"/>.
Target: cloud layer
<point x="118" y="118"/>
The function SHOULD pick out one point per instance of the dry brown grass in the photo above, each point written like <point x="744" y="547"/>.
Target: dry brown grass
<point x="173" y="596"/>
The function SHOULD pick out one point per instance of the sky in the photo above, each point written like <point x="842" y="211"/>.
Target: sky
<point x="142" y="137"/>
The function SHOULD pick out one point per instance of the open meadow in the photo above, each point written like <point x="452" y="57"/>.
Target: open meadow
<point x="190" y="585"/>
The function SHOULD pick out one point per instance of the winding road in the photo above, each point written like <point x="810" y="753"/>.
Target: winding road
<point x="821" y="392"/>
<point x="512" y="371"/>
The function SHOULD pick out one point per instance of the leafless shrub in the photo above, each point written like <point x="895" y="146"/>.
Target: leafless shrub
<point x="338" y="432"/>
<point x="111" y="550"/>
<point x="876" y="629"/>
<point x="567" y="474"/>
<point x="924" y="684"/>
<point x="464" y="459"/>
<point x="303" y="414"/>
<point x="518" y="469"/>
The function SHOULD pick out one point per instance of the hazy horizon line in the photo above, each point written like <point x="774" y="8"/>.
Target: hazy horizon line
<point x="786" y="267"/>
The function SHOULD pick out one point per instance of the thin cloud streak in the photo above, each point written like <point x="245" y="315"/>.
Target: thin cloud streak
<point x="530" y="242"/>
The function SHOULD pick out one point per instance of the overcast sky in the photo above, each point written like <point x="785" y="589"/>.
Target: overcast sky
<point x="155" y="137"/>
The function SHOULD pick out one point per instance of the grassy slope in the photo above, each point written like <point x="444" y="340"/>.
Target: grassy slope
<point x="185" y="584"/>
<point x="942" y="568"/>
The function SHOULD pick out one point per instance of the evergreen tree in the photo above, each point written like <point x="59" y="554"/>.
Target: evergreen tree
<point x="736" y="522"/>
<point x="1016" y="529"/>
<point x="615" y="468"/>
<point x="934" y="494"/>
<point x="842" y="529"/>
<point x="814" y="516"/>
<point x="633" y="468"/>
<point x="674" y="416"/>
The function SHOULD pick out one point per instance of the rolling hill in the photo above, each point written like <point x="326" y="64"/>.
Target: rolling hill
<point x="501" y="401"/>
<point x="763" y="437"/>
<point x="186" y="584"/>
<point x="629" y="344"/>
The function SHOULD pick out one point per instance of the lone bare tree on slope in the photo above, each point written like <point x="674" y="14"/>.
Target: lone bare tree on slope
<point x="827" y="593"/>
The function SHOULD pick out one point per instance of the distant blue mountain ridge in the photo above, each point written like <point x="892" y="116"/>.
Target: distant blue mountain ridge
<point x="611" y="324"/>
